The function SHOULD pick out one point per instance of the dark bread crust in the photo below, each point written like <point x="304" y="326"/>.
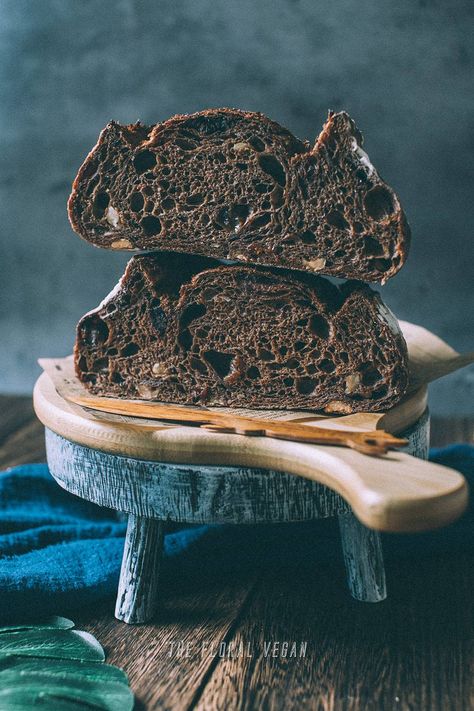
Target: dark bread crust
<point x="191" y="330"/>
<point x="230" y="184"/>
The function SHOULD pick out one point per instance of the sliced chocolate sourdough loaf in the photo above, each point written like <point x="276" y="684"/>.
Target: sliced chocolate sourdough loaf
<point x="234" y="185"/>
<point x="196" y="331"/>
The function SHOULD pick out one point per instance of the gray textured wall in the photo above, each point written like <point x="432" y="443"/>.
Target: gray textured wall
<point x="403" y="69"/>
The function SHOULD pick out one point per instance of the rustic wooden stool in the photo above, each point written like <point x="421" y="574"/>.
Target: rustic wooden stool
<point x="121" y="466"/>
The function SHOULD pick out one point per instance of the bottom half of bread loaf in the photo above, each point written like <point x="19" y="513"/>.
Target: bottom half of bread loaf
<point x="189" y="330"/>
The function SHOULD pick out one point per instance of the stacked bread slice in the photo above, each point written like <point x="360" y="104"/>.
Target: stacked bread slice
<point x="239" y="219"/>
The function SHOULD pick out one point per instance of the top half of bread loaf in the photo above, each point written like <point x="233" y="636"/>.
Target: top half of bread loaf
<point x="235" y="185"/>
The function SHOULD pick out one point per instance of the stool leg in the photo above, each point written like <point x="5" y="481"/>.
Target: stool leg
<point x="363" y="559"/>
<point x="137" y="590"/>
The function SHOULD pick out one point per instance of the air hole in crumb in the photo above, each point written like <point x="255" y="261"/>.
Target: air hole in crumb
<point x="327" y="365"/>
<point x="195" y="199"/>
<point x="151" y="225"/>
<point x="272" y="166"/>
<point x="263" y="188"/>
<point x="305" y="386"/>
<point x="129" y="350"/>
<point x="261" y="220"/>
<point x="288" y="382"/>
<point x="344" y="357"/>
<point x="168" y="203"/>
<point x="381" y="265"/>
<point x="379" y="203"/>
<point x="319" y="326"/>
<point x="256" y="143"/>
<point x="292" y="363"/>
<point x="253" y="372"/>
<point x="241" y="212"/>
<point x="308" y="237"/>
<point x="185" y="339"/>
<point x="336" y="219"/>
<point x="192" y="312"/>
<point x="299" y="345"/>
<point x="185" y="145"/>
<point x="94" y="332"/>
<point x="372" y="246"/>
<point x="198" y="365"/>
<point x="220" y="362"/>
<point x="116" y="377"/>
<point x="379" y="393"/>
<point x="362" y="176"/>
<point x="226" y="219"/>
<point x="265" y="354"/>
<point x="136" y="202"/>
<point x="370" y="374"/>
<point x="100" y="204"/>
<point x="145" y="160"/>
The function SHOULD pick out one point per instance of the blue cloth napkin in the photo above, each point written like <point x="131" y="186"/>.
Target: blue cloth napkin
<point x="58" y="552"/>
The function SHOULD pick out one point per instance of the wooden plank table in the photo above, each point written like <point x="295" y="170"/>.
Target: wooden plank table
<point x="413" y="651"/>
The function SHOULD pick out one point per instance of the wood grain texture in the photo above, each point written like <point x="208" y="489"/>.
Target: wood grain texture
<point x="148" y="491"/>
<point x="167" y="660"/>
<point x="24" y="445"/>
<point x="137" y="596"/>
<point x="363" y="560"/>
<point x="395" y="493"/>
<point x="413" y="651"/>
<point x="191" y="494"/>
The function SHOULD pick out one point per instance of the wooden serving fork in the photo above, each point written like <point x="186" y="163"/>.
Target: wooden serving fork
<point x="375" y="442"/>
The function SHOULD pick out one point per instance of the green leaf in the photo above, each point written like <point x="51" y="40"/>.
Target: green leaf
<point x="59" y="644"/>
<point x="49" y="666"/>
<point x="59" y="668"/>
<point x="83" y="693"/>
<point x="50" y="623"/>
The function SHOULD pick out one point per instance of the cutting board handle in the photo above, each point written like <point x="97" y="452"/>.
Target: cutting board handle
<point x="397" y="492"/>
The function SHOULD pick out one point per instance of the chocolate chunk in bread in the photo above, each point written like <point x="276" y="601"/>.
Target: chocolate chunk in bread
<point x="234" y="185"/>
<point x="196" y="331"/>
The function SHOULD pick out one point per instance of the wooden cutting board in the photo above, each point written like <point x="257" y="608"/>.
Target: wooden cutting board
<point x="396" y="492"/>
